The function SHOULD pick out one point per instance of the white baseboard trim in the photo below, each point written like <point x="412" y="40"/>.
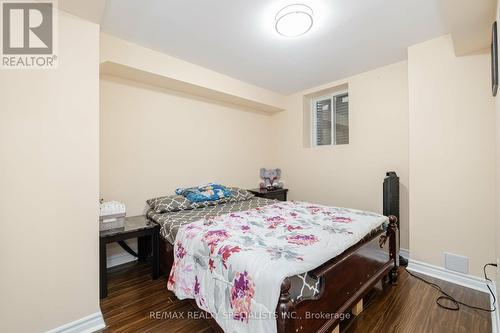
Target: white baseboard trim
<point x="464" y="280"/>
<point x="405" y="253"/>
<point x="118" y="259"/>
<point x="495" y="316"/>
<point x="88" y="324"/>
<point x="441" y="273"/>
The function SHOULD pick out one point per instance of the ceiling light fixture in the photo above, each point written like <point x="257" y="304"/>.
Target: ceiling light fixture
<point x="294" y="20"/>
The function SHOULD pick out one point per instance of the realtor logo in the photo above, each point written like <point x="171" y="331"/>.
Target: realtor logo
<point x="28" y="34"/>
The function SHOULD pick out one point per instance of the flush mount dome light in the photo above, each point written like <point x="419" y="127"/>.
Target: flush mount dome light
<point x="294" y="20"/>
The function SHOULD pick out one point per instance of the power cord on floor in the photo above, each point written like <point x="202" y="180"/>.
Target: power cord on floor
<point x="456" y="303"/>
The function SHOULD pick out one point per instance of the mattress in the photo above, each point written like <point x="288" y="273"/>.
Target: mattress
<point x="171" y="222"/>
<point x="303" y="286"/>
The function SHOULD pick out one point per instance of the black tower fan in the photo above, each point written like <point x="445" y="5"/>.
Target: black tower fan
<point x="391" y="201"/>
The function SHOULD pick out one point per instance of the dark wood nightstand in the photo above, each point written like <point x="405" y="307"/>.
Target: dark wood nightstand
<point x="135" y="227"/>
<point x="278" y="194"/>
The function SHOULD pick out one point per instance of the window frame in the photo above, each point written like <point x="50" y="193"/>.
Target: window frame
<point x="332" y="97"/>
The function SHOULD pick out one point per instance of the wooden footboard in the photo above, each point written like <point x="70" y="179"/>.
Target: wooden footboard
<point x="344" y="281"/>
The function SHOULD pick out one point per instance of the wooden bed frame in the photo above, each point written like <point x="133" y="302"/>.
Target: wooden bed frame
<point x="344" y="281"/>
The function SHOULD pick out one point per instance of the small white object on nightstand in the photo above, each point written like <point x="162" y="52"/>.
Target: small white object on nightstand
<point x="111" y="215"/>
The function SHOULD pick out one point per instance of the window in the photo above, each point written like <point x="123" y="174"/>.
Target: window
<point x="331" y="119"/>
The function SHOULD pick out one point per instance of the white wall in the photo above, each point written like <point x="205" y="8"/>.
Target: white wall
<point x="452" y="138"/>
<point x="350" y="175"/>
<point x="49" y="186"/>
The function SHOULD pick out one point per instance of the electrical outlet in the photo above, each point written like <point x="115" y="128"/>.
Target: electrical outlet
<point x="457" y="263"/>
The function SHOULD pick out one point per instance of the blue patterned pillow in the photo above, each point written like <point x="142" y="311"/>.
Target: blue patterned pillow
<point x="210" y="192"/>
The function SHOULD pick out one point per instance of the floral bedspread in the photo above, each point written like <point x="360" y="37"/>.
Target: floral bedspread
<point x="233" y="264"/>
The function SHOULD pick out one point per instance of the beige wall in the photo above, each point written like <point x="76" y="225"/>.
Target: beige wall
<point x="181" y="73"/>
<point x="439" y="138"/>
<point x="497" y="172"/>
<point x="153" y="141"/>
<point x="351" y="175"/>
<point x="49" y="186"/>
<point x="392" y="116"/>
<point x="452" y="135"/>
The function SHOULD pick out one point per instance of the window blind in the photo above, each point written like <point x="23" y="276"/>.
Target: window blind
<point x="342" y="119"/>
<point x="324" y="122"/>
<point x="331" y="120"/>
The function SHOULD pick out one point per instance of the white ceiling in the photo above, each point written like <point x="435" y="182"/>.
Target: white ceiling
<point x="237" y="37"/>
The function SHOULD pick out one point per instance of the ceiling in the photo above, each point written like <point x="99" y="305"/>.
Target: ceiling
<point x="237" y="37"/>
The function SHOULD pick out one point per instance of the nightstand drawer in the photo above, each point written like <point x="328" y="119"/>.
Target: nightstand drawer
<point x="279" y="194"/>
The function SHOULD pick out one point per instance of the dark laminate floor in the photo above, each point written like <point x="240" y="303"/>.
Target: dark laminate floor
<point x="133" y="297"/>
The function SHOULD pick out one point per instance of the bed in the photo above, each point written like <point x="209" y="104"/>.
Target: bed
<point x="312" y="300"/>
